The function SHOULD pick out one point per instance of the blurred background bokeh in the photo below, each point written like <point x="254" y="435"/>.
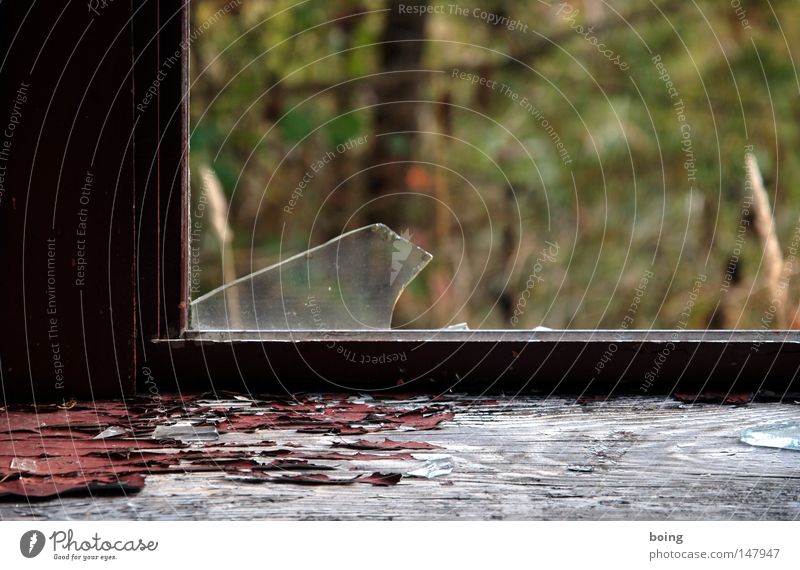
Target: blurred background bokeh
<point x="569" y="165"/>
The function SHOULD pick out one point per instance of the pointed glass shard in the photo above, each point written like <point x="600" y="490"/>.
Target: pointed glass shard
<point x="784" y="435"/>
<point x="186" y="432"/>
<point x="112" y="431"/>
<point x="349" y="283"/>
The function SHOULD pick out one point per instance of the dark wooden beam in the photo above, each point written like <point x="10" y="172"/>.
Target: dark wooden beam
<point x="560" y="361"/>
<point x="161" y="115"/>
<point x="67" y="208"/>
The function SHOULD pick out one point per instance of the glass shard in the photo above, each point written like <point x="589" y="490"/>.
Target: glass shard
<point x="784" y="435"/>
<point x="349" y="283"/>
<point x="24" y="465"/>
<point x="434" y="468"/>
<point x="185" y="432"/>
<point x="112" y="431"/>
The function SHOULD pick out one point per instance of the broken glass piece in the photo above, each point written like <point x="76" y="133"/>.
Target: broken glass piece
<point x="784" y="435"/>
<point x="349" y="283"/>
<point x="186" y="432"/>
<point x="465" y="327"/>
<point x="112" y="431"/>
<point x="433" y="468"/>
<point x="230" y="404"/>
<point x="24" y="464"/>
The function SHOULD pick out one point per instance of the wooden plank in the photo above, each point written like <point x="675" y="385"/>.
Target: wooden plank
<point x="522" y="458"/>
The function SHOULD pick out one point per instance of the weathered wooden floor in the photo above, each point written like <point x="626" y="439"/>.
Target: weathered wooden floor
<point x="522" y="458"/>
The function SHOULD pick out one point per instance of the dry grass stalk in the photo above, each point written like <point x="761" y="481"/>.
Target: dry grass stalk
<point x="763" y="224"/>
<point x="218" y="215"/>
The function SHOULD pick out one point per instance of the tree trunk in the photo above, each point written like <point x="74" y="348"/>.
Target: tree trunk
<point x="394" y="112"/>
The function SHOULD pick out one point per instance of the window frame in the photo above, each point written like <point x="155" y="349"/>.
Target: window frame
<point x="126" y="327"/>
<point x="573" y="361"/>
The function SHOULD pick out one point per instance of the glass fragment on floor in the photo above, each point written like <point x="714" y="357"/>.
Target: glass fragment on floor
<point x="784" y="435"/>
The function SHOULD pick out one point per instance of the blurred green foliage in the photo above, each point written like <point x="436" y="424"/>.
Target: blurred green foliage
<point x="278" y="84"/>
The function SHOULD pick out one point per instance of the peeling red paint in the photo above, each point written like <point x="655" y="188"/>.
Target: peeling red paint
<point x="716" y="398"/>
<point x="386" y="444"/>
<point x="51" y="487"/>
<point x="380" y="479"/>
<point x="377" y="479"/>
<point x="49" y="451"/>
<point x="360" y="456"/>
